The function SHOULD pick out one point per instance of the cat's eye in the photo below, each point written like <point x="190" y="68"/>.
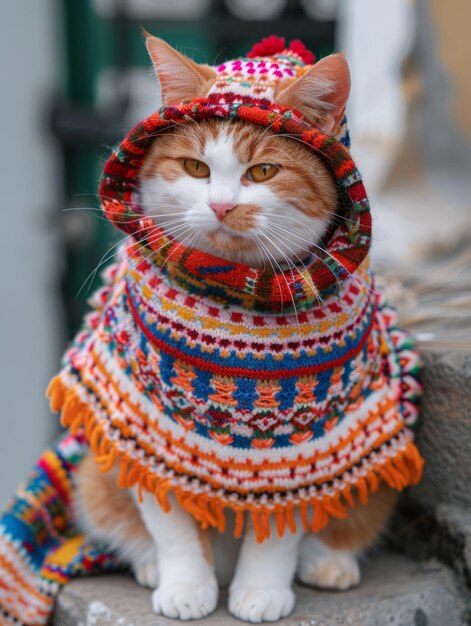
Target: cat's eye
<point x="195" y="168"/>
<point x="262" y="172"/>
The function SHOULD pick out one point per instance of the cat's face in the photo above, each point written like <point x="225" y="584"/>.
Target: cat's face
<point x="238" y="192"/>
<point x="234" y="189"/>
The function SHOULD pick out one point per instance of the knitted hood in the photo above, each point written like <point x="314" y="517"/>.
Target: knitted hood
<point x="244" y="90"/>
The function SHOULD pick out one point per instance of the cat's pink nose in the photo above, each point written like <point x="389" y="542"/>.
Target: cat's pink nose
<point x="221" y="208"/>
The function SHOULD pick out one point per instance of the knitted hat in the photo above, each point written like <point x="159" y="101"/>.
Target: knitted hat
<point x="244" y="90"/>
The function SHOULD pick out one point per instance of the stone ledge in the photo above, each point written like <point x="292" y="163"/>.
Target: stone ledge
<point x="444" y="431"/>
<point x="395" y="592"/>
<point x="434" y="518"/>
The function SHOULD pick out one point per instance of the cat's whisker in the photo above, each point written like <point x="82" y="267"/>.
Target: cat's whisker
<point x="308" y="279"/>
<point x="340" y="217"/>
<point x="167" y="205"/>
<point x="173" y="229"/>
<point x="166" y="224"/>
<point x="105" y="258"/>
<point x="283" y="240"/>
<point x="299" y="140"/>
<point x="273" y="268"/>
<point x="257" y="245"/>
<point x="253" y="239"/>
<point x="99" y="214"/>
<point x="283" y="274"/>
<point x="311" y="243"/>
<point x="282" y="234"/>
<point x="270" y="257"/>
<point x="95" y="214"/>
<point x="158" y="132"/>
<point x="191" y="236"/>
<point x="304" y="225"/>
<point x="132" y="267"/>
<point x="267" y="129"/>
<point x="150" y="241"/>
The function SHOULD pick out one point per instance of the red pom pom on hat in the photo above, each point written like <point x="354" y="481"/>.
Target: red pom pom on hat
<point x="300" y="49"/>
<point x="272" y="45"/>
<point x="267" y="47"/>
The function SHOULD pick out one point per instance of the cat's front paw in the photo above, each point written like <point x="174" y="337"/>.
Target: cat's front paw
<point x="146" y="573"/>
<point x="185" y="600"/>
<point x="261" y="605"/>
<point x="332" y="571"/>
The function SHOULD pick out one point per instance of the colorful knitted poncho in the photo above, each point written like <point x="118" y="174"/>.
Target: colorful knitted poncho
<point x="240" y="388"/>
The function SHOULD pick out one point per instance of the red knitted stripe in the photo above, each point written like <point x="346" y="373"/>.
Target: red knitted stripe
<point x="241" y="371"/>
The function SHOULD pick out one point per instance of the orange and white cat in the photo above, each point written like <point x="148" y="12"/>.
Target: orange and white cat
<point x="244" y="194"/>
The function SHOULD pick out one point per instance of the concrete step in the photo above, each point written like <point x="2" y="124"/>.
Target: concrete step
<point x="395" y="591"/>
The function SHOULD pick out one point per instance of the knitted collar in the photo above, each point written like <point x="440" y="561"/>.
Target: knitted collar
<point x="244" y="91"/>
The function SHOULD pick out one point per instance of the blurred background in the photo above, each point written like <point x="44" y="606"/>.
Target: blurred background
<point x="75" y="78"/>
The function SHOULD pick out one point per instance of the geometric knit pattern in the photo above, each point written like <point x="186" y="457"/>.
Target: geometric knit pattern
<point x="231" y="409"/>
<point x="39" y="548"/>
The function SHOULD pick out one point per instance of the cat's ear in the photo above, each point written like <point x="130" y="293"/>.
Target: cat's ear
<point x="180" y="78"/>
<point x="321" y="94"/>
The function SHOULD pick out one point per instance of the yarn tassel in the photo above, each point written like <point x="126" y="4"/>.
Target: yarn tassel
<point x="258" y="526"/>
<point x="415" y="463"/>
<point x="362" y="487"/>
<point x="140" y="488"/>
<point x="108" y="461"/>
<point x="203" y="503"/>
<point x="76" y="424"/>
<point x="390" y="476"/>
<point x="123" y="473"/>
<point x="72" y="410"/>
<point x="265" y="524"/>
<point x="320" y="517"/>
<point x="303" y="511"/>
<point x="239" y="523"/>
<point x="280" y="521"/>
<point x="95" y="439"/>
<point x="347" y="494"/>
<point x="133" y="475"/>
<point x="373" y="481"/>
<point x="290" y="517"/>
<point x="219" y="515"/>
<point x="161" y="494"/>
<point x="56" y="392"/>
<point x="398" y="472"/>
<point x="89" y="427"/>
<point x="335" y="508"/>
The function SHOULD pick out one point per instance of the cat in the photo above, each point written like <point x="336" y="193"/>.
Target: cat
<point x="243" y="194"/>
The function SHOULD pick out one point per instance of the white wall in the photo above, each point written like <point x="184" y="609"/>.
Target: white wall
<point x="376" y="37"/>
<point x="30" y="331"/>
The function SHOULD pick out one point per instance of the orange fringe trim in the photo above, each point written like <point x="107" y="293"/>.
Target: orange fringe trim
<point x="403" y="470"/>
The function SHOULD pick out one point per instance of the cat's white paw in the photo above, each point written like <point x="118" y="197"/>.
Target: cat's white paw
<point x="261" y="605"/>
<point x="185" y="600"/>
<point x="146" y="573"/>
<point x="333" y="571"/>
